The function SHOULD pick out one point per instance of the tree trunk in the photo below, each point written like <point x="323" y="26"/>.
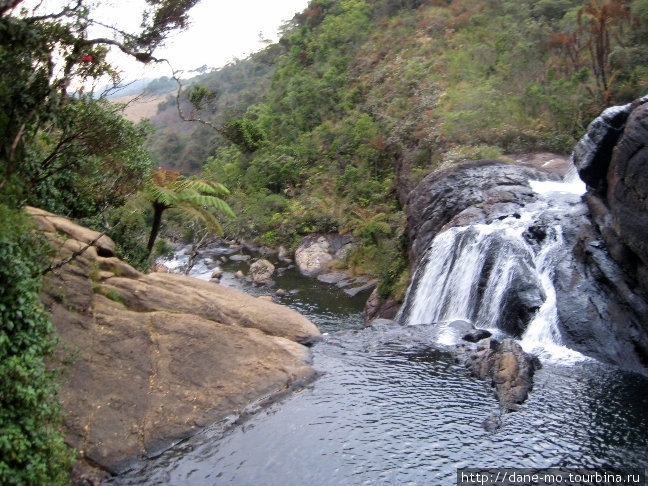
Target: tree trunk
<point x="158" y="209"/>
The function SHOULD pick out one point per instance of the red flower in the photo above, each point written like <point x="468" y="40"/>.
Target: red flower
<point x="86" y="58"/>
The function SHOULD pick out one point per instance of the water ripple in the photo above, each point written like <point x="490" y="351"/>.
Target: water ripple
<point x="398" y="412"/>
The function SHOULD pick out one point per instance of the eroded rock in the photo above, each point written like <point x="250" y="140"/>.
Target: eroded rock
<point x="159" y="356"/>
<point x="509" y="369"/>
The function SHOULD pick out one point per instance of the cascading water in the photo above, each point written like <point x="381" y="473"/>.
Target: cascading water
<point x="499" y="275"/>
<point x="390" y="407"/>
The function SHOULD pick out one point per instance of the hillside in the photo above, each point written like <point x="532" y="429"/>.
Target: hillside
<point x="139" y="107"/>
<point x="367" y="97"/>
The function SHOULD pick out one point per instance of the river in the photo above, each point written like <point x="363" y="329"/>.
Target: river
<point x="390" y="408"/>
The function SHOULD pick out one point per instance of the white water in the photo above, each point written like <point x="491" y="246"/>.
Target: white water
<point x="467" y="271"/>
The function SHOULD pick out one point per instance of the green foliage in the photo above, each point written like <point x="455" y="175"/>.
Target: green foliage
<point x="198" y="95"/>
<point x="111" y="294"/>
<point x="244" y="133"/>
<point x="195" y="198"/>
<point x="90" y="161"/>
<point x="130" y="229"/>
<point x="369" y="96"/>
<point x="32" y="451"/>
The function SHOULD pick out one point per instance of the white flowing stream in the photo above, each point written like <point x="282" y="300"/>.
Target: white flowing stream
<point x="467" y="272"/>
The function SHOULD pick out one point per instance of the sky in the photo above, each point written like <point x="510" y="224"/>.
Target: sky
<point x="220" y="31"/>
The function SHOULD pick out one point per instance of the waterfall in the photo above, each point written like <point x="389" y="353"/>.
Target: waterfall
<point x="499" y="275"/>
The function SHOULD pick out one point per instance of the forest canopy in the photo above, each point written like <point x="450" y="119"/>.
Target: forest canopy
<point x="63" y="150"/>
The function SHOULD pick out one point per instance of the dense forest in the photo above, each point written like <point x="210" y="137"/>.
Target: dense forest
<point x="326" y="131"/>
<point x="360" y="99"/>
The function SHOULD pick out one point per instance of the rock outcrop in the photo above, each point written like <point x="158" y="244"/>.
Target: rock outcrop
<point x="156" y="357"/>
<point x="612" y="159"/>
<point x="509" y="369"/>
<point x="315" y="252"/>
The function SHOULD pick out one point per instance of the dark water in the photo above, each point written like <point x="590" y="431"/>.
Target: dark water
<point x="325" y="304"/>
<point x="390" y="409"/>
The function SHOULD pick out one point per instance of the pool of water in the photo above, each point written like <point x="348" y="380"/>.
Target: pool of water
<point x="391" y="410"/>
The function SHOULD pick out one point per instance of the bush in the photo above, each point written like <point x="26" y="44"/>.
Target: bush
<point x="32" y="451"/>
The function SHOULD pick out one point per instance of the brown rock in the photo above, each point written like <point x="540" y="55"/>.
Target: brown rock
<point x="158" y="356"/>
<point x="52" y="223"/>
<point x="508" y="367"/>
<point x="377" y="308"/>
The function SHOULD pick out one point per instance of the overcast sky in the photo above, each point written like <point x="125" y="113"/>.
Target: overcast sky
<point x="220" y="32"/>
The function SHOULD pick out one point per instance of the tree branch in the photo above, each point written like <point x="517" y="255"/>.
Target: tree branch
<point x="76" y="254"/>
<point x="191" y="117"/>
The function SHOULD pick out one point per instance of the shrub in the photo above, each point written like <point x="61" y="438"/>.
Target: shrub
<point x="32" y="451"/>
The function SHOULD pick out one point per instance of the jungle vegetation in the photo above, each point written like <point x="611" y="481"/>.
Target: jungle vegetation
<point x="325" y="131"/>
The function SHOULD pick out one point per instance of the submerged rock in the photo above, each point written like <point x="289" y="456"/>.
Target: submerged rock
<point x="159" y="356"/>
<point x="476" y="335"/>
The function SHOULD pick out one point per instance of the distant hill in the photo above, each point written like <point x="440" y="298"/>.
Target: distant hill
<point x="184" y="146"/>
<point x="140" y="106"/>
<point x="360" y="99"/>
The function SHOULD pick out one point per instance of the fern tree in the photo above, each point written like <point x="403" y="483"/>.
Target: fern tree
<point x="196" y="198"/>
<point x="368" y="227"/>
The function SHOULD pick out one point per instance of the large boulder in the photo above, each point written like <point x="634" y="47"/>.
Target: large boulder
<point x="315" y="252"/>
<point x="158" y="356"/>
<point x="261" y="271"/>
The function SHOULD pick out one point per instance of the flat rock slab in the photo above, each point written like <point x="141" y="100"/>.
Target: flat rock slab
<point x="158" y="356"/>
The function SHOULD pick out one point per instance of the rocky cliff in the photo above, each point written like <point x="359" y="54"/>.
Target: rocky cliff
<point x="612" y="158"/>
<point x="600" y="272"/>
<point x="156" y="357"/>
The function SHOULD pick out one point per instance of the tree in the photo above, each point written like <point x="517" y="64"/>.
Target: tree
<point x="48" y="134"/>
<point x="90" y="161"/>
<point x="45" y="53"/>
<point x="602" y="23"/>
<point x="194" y="197"/>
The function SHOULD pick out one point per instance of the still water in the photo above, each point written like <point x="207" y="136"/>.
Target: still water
<point x="389" y="409"/>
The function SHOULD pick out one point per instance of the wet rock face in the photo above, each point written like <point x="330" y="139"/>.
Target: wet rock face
<point x="509" y="369"/>
<point x="466" y="193"/>
<point x="612" y="250"/>
<point x="627" y="180"/>
<point x="482" y="192"/>
<point x="593" y="152"/>
<point x="612" y="158"/>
